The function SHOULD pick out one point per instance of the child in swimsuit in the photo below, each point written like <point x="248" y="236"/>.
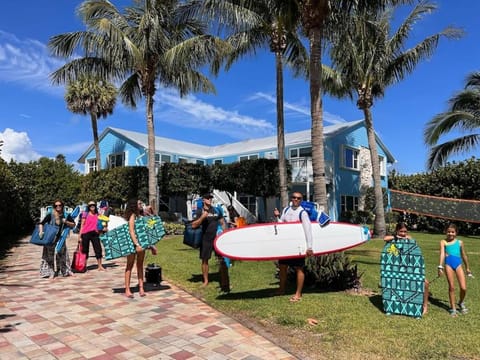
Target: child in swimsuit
<point x="401" y="232"/>
<point x="452" y="253"/>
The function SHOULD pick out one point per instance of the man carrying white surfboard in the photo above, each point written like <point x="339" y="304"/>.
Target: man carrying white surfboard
<point x="295" y="213"/>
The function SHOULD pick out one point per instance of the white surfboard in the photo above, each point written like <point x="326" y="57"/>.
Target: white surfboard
<point x="115" y="221"/>
<point x="286" y="240"/>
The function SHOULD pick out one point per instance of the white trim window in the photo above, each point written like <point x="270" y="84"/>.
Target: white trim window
<point x="182" y="160"/>
<point x="303" y="152"/>
<point x="250" y="202"/>
<point x="218" y="162"/>
<point x="92" y="165"/>
<point x="349" y="203"/>
<point x="248" y="157"/>
<point x="116" y="160"/>
<point x="162" y="159"/>
<point x="383" y="165"/>
<point x="350" y="158"/>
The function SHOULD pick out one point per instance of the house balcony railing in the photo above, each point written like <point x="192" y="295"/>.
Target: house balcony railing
<point x="302" y="170"/>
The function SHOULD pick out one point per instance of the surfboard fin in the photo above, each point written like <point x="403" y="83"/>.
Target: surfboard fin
<point x="323" y="219"/>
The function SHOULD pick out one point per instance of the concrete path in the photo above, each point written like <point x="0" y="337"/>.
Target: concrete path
<point x="87" y="316"/>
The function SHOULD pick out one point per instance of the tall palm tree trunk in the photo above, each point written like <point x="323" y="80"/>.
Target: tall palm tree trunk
<point x="379" y="223"/>
<point x="282" y="163"/>
<point x="152" y="176"/>
<point x="318" y="153"/>
<point x="93" y="118"/>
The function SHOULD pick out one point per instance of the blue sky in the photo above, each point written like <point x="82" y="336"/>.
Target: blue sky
<point x="34" y="120"/>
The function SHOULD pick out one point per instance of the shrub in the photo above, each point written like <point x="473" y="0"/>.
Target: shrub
<point x="332" y="272"/>
<point x="173" y="228"/>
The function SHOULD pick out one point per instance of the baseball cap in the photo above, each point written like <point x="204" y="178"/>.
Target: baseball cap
<point x="207" y="196"/>
<point x="92" y="203"/>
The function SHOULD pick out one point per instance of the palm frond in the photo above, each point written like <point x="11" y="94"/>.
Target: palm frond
<point x="130" y="91"/>
<point x="400" y="36"/>
<point x="444" y="123"/>
<point x="473" y="80"/>
<point x="439" y="154"/>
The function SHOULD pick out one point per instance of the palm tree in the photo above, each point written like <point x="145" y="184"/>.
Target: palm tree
<point x="369" y="58"/>
<point x="257" y="24"/>
<point x="464" y="115"/>
<point x="90" y="95"/>
<point x="153" y="42"/>
<point x="320" y="19"/>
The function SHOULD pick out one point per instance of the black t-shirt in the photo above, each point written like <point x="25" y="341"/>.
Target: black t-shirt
<point x="210" y="224"/>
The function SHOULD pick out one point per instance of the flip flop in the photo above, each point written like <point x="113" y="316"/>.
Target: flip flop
<point x="294" y="299"/>
<point x="129" y="296"/>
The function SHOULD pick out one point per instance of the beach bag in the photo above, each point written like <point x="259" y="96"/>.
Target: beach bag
<point x="79" y="262"/>
<point x="49" y="233"/>
<point x="192" y="237"/>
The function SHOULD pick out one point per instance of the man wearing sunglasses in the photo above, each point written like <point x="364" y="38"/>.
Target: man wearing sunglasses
<point x="295" y="213"/>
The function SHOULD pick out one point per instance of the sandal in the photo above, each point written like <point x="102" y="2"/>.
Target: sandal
<point x="294" y="299"/>
<point x="453" y="312"/>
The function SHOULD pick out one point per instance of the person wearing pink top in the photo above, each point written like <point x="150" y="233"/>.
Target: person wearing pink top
<point x="89" y="233"/>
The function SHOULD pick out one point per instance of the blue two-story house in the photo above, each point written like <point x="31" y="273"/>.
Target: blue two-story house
<point x="347" y="161"/>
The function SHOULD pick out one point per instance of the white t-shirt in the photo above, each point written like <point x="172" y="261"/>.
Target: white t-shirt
<point x="291" y="214"/>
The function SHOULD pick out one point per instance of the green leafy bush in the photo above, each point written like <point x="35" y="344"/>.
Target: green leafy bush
<point x="332" y="272"/>
<point x="173" y="228"/>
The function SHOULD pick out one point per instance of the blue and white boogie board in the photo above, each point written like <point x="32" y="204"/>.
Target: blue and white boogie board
<point x="117" y="242"/>
<point x="402" y="276"/>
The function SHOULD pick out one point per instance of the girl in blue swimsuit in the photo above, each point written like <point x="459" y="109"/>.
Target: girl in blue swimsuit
<point x="452" y="253"/>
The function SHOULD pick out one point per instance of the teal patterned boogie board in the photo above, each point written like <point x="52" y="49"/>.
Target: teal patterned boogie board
<point x="402" y="274"/>
<point x="118" y="243"/>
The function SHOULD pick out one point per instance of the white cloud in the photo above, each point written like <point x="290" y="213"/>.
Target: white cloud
<point x="27" y="62"/>
<point x="191" y="112"/>
<point x="298" y="109"/>
<point x="17" y="146"/>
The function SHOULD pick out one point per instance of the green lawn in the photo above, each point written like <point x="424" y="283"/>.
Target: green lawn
<point x="350" y="326"/>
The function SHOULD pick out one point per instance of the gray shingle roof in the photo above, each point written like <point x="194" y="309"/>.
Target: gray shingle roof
<point x="167" y="145"/>
<point x="172" y="146"/>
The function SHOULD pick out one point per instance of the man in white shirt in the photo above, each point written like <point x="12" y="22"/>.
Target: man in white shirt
<point x="295" y="213"/>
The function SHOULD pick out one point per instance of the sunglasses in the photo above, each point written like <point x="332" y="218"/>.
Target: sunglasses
<point x="92" y="205"/>
<point x="296" y="198"/>
<point x="58" y="205"/>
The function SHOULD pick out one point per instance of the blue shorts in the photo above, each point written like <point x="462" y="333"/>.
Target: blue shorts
<point x="453" y="261"/>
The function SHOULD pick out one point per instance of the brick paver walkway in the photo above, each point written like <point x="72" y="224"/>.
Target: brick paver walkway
<point x="87" y="317"/>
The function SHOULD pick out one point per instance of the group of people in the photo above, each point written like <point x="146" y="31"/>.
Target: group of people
<point x="55" y="263"/>
<point x="211" y="221"/>
<point x="452" y="252"/>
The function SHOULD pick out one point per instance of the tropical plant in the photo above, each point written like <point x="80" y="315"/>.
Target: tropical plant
<point x="91" y="95"/>
<point x="271" y="24"/>
<point x="370" y="57"/>
<point x="153" y="42"/>
<point x="320" y="20"/>
<point x="463" y="115"/>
